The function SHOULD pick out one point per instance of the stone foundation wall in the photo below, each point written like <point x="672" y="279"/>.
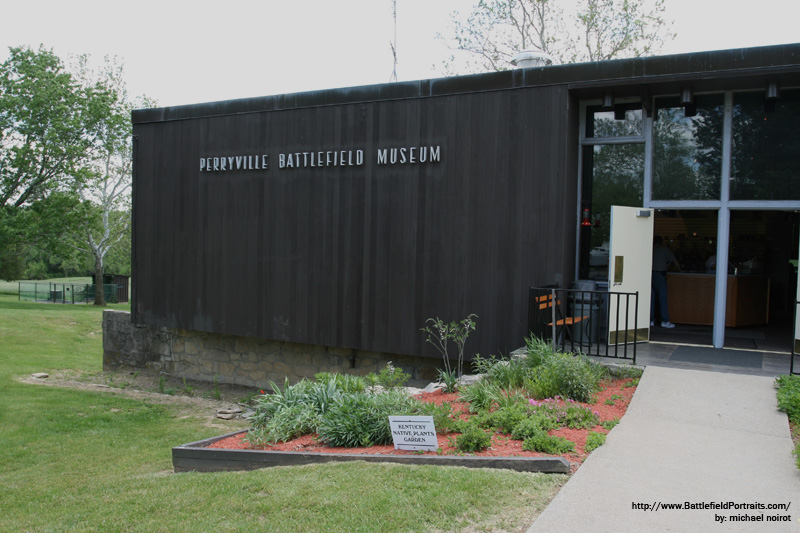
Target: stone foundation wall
<point x="239" y="360"/>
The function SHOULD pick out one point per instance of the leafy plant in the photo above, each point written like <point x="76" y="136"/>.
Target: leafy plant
<point x="287" y="424"/>
<point x="215" y="393"/>
<point x="390" y="377"/>
<point x="565" y="414"/>
<point x="609" y="424"/>
<point x="443" y="418"/>
<point x="450" y="380"/>
<point x="508" y="373"/>
<point x="473" y="439"/>
<point x="504" y="420"/>
<point x="789" y="396"/>
<point x="187" y="389"/>
<point x="344" y="382"/>
<point x="594" y="440"/>
<point x="360" y="419"/>
<point x="789" y="402"/>
<point x="565" y="375"/>
<point x="440" y="334"/>
<point x="548" y="444"/>
<point x="481" y="396"/>
<point x="532" y="426"/>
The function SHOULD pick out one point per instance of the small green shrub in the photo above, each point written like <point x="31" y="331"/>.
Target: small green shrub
<point x="594" y="441"/>
<point x="531" y="427"/>
<point x="548" y="444"/>
<point x="632" y="383"/>
<point x="789" y="396"/>
<point x="565" y="375"/>
<point x="504" y="420"/>
<point x="482" y="365"/>
<point x="609" y="424"/>
<point x="565" y="414"/>
<point x="797" y="454"/>
<point x="392" y="377"/>
<point x="443" y="418"/>
<point x="473" y="439"/>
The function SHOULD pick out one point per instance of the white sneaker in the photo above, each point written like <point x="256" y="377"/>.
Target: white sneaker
<point x="652" y="324"/>
<point x="667" y="325"/>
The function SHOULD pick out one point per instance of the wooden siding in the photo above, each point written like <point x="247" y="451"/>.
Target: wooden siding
<point x="358" y="257"/>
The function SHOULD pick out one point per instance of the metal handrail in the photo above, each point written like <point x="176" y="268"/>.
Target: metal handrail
<point x="599" y="306"/>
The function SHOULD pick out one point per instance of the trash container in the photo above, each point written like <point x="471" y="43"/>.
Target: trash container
<point x="585" y="304"/>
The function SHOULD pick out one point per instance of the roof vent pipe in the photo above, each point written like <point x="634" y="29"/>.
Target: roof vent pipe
<point x="531" y="59"/>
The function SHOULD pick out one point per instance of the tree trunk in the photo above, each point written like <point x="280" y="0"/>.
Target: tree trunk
<point x="99" y="292"/>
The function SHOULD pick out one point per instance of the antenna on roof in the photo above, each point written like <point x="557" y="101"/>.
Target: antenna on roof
<point x="393" y="44"/>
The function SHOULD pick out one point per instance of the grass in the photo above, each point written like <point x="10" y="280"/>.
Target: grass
<point x="76" y="460"/>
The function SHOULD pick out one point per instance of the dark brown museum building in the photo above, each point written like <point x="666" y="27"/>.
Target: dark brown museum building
<point x="345" y="218"/>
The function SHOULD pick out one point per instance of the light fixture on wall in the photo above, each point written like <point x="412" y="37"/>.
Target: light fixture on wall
<point x="771" y="96"/>
<point x="688" y="103"/>
<point x="773" y="93"/>
<point x="608" y="101"/>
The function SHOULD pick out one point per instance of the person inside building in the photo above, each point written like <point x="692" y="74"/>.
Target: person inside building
<point x="663" y="259"/>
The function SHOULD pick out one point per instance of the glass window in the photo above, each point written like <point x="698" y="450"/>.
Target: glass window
<point x="624" y="121"/>
<point x="687" y="150"/>
<point x="766" y="144"/>
<point x="613" y="175"/>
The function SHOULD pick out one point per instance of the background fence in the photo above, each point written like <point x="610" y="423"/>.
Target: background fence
<point x="65" y="293"/>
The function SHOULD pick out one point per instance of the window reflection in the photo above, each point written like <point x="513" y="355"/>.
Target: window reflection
<point x="613" y="175"/>
<point x="765" y="165"/>
<point x="626" y="121"/>
<point x="687" y="151"/>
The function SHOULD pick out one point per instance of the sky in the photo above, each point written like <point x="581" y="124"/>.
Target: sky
<point x="203" y="51"/>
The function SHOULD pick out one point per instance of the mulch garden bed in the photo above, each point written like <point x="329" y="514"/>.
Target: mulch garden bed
<point x="304" y="448"/>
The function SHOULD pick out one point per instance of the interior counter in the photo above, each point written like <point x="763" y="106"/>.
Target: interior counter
<point x="691" y="299"/>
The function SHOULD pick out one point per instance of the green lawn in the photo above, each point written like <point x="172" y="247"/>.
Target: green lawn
<point x="75" y="460"/>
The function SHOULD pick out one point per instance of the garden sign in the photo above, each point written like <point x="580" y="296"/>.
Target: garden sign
<point x="413" y="433"/>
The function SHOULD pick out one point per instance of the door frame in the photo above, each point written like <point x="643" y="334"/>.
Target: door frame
<point x="723" y="206"/>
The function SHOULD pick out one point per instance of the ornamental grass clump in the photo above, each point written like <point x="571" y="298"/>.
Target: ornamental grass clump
<point x="362" y="419"/>
<point x="335" y="408"/>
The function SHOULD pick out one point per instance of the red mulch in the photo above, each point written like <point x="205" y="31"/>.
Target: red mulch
<point x="502" y="445"/>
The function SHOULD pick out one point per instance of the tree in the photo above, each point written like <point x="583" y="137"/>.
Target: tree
<point x="496" y="30"/>
<point x="48" y="126"/>
<point x="105" y="193"/>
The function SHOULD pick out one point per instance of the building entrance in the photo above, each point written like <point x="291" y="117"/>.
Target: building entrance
<point x="760" y="281"/>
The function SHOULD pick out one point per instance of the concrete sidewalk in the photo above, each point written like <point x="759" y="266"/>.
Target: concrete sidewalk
<point x="688" y="436"/>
